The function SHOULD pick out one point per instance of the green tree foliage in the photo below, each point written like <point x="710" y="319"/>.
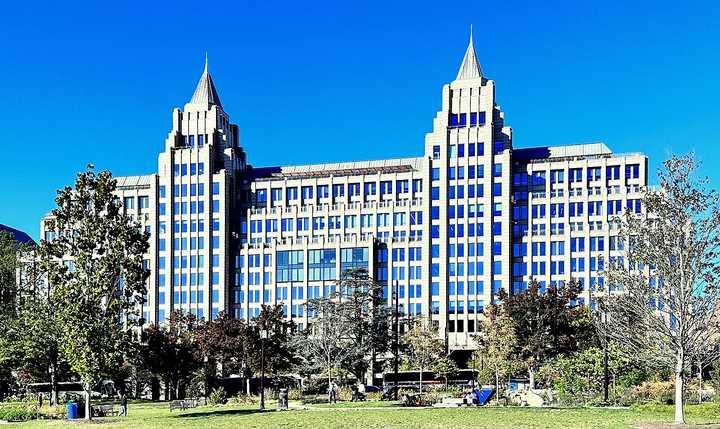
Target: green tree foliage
<point x="353" y="327"/>
<point x="424" y="347"/>
<point x="548" y="324"/>
<point x="670" y="275"/>
<point x="444" y="368"/>
<point x="369" y="320"/>
<point x="96" y="274"/>
<point x="170" y="352"/>
<point x="327" y="342"/>
<point x="279" y="349"/>
<point x="498" y="346"/>
<point x="578" y="378"/>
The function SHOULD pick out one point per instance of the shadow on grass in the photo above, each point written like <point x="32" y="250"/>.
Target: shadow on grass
<point x="220" y="412"/>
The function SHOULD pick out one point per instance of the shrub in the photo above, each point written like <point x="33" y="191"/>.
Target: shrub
<point x="52" y="412"/>
<point x="242" y="399"/>
<point x="344" y="393"/>
<point x="295" y="394"/>
<point x="655" y="392"/>
<point x="374" y="396"/>
<point x="19" y="411"/>
<point x="217" y="397"/>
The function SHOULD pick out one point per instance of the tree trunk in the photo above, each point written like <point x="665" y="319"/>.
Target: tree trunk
<point x="155" y="388"/>
<point x="88" y="408"/>
<point x="53" y="384"/>
<point x="700" y="392"/>
<point x="531" y="372"/>
<point x="679" y="409"/>
<point x="497" y="389"/>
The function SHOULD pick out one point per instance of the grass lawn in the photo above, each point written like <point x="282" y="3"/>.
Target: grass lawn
<point x="342" y="416"/>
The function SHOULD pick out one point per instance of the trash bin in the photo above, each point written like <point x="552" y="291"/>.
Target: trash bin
<point x="71" y="411"/>
<point x="282" y="400"/>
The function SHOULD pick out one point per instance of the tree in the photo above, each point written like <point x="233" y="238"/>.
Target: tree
<point x="9" y="264"/>
<point x="326" y="343"/>
<point x="670" y="274"/>
<point x="222" y="341"/>
<point x="96" y="273"/>
<point x="547" y="324"/>
<point x="498" y="344"/>
<point x="279" y="351"/>
<point x="424" y="346"/>
<point x="369" y="319"/>
<point x="444" y="368"/>
<point x="170" y="352"/>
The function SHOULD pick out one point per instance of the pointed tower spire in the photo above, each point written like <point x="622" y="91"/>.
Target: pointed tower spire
<point x="205" y="93"/>
<point x="470" y="67"/>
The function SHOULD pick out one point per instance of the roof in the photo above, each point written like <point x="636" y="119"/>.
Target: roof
<point x="134" y="182"/>
<point x="353" y="168"/>
<point x="18" y="235"/>
<point x="205" y="93"/>
<point x="470" y="67"/>
<point x="557" y="152"/>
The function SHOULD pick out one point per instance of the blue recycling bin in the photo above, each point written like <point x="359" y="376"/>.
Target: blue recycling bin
<point x="71" y="411"/>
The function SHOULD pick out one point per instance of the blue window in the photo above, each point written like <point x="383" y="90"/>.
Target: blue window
<point x="435" y="174"/>
<point x="161" y="209"/>
<point x="497" y="189"/>
<point x="216" y="188"/>
<point x="215" y="206"/>
<point x="497" y="170"/>
<point x="435" y="212"/>
<point x="497" y="228"/>
<point x="215" y="242"/>
<point x="498" y="147"/>
<point x="435" y="231"/>
<point x="161" y="191"/>
<point x="435" y="193"/>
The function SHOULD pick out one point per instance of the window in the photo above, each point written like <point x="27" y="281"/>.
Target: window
<point x="289" y="266"/>
<point x="385" y="187"/>
<point x="291" y="193"/>
<point x="129" y="203"/>
<point x="354" y="257"/>
<point x="321" y="264"/>
<point x="338" y="190"/>
<point x="307" y="192"/>
<point x="353" y="189"/>
<point x="497" y="170"/>
<point x="323" y="191"/>
<point x="370" y="188"/>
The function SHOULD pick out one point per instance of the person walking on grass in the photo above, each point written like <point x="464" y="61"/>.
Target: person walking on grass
<point x="123" y="405"/>
<point x="332" y="392"/>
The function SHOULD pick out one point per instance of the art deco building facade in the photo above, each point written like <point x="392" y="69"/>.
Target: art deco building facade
<point x="450" y="228"/>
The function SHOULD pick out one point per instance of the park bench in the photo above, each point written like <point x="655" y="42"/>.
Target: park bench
<point x="104" y="411"/>
<point x="183" y="404"/>
<point x="177" y="405"/>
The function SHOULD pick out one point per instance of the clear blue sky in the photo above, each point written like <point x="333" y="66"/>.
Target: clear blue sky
<point x="315" y="81"/>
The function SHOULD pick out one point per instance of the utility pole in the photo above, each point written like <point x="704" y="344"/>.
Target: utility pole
<point x="263" y="336"/>
<point x="396" y="328"/>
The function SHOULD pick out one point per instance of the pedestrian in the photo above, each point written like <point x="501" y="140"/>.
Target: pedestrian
<point x="333" y="392"/>
<point x="40" y="399"/>
<point x="123" y="405"/>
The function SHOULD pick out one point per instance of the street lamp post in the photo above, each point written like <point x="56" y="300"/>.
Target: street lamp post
<point x="263" y="337"/>
<point x="606" y="372"/>
<point x="396" y="327"/>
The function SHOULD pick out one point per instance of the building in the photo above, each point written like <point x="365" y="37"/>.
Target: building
<point x="17" y="235"/>
<point x="451" y="227"/>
